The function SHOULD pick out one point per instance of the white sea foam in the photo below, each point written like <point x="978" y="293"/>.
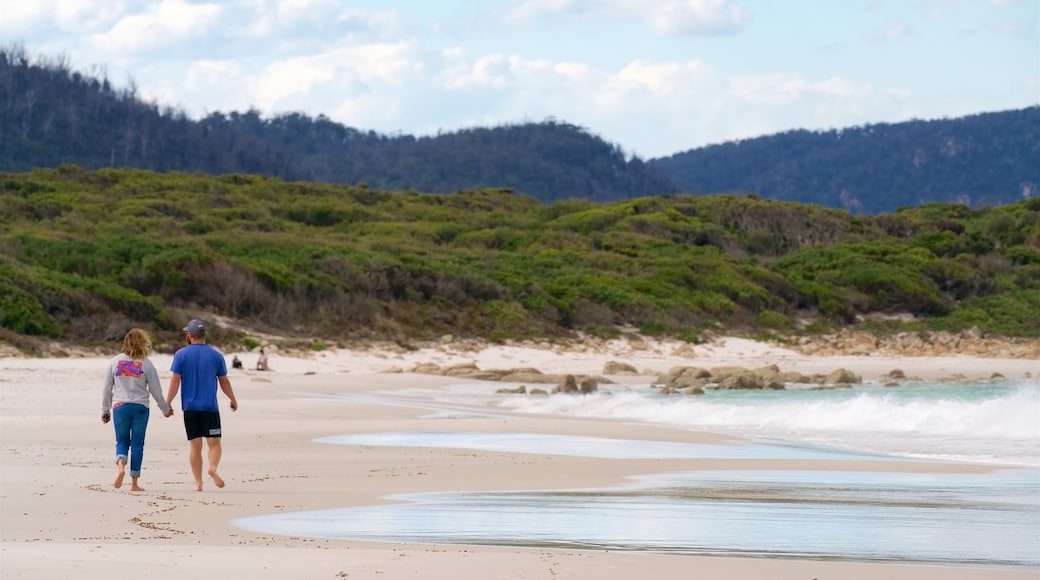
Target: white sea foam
<point x="989" y="423"/>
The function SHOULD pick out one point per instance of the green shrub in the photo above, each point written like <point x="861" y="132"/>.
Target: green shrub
<point x="772" y="319"/>
<point x="22" y="313"/>
<point x="945" y="243"/>
<point x="1014" y="315"/>
<point x="1022" y="255"/>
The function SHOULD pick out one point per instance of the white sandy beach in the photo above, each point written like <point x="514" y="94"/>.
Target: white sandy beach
<point x="61" y="518"/>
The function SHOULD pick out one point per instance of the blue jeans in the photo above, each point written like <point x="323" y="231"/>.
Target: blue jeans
<point x="131" y="422"/>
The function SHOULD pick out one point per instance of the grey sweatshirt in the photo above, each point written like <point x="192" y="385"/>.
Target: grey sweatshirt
<point x="131" y="381"/>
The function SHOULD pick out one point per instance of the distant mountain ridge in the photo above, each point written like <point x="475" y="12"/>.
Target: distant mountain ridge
<point x="985" y="159"/>
<point x="51" y="115"/>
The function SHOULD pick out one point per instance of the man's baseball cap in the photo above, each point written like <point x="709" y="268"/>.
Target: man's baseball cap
<point x="195" y="328"/>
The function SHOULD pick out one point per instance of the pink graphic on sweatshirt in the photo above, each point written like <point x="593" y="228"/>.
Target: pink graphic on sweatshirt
<point x="129" y="368"/>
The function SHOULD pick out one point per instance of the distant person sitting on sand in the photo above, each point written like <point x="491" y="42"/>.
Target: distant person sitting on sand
<point x="236" y="363"/>
<point x="261" y="363"/>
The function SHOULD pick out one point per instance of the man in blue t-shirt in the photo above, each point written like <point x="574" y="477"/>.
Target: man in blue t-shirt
<point x="197" y="371"/>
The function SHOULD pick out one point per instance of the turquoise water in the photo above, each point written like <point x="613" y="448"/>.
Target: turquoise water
<point x="987" y="519"/>
<point x="978" y="520"/>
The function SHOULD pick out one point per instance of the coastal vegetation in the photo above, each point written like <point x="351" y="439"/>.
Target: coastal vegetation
<point x="84" y="255"/>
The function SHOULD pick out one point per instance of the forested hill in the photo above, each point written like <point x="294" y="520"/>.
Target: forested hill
<point x="986" y="159"/>
<point x="52" y="115"/>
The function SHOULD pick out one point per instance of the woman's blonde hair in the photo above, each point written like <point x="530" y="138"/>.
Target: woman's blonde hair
<point x="136" y="343"/>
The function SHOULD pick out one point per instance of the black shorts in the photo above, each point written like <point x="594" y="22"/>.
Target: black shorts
<point x="201" y="424"/>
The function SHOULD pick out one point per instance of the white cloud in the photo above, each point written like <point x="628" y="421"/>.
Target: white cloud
<point x="285" y="78"/>
<point x="494" y="72"/>
<point x="20" y="16"/>
<point x="669" y="18"/>
<point x="773" y="103"/>
<point x="665" y="79"/>
<point x="776" y="89"/>
<point x="49" y="18"/>
<point x="311" y="23"/>
<point x="370" y="112"/>
<point x="693" y="17"/>
<point x="655" y="109"/>
<point x="210" y="81"/>
<point x="339" y="83"/>
<point x="170" y="23"/>
<point x="529" y="10"/>
<point x="391" y="64"/>
<point x="76" y="16"/>
<point x="651" y="108"/>
<point x="312" y="10"/>
<point x="205" y="75"/>
<point x="894" y="31"/>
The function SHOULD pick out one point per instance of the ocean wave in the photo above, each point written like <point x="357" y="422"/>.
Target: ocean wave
<point x="987" y="422"/>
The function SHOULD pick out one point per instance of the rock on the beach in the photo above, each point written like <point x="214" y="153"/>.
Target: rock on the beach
<point x="461" y="370"/>
<point x="530" y="377"/>
<point x="689" y="379"/>
<point x="744" y="379"/>
<point x="619" y="368"/>
<point x="683" y="376"/>
<point x="426" y="369"/>
<point x="842" y="377"/>
<point x="568" y="384"/>
<point x="718" y="374"/>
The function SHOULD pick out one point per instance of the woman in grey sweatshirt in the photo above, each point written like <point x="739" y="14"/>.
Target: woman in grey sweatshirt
<point x="129" y="381"/>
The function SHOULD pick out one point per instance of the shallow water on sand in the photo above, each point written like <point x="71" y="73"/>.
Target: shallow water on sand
<point x="985" y="519"/>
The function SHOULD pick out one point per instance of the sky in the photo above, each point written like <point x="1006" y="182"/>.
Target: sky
<point x="655" y="77"/>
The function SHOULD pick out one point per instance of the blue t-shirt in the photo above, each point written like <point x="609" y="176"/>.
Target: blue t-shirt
<point x="199" y="365"/>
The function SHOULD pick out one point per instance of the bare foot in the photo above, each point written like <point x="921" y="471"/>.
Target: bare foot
<point x="198" y="486"/>
<point x="136" y="487"/>
<point x="216" y="478"/>
<point x="118" y="483"/>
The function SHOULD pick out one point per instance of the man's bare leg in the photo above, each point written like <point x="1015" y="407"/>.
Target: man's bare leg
<point x="121" y="464"/>
<point x="195" y="459"/>
<point x="133" y="484"/>
<point x="215" y="452"/>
